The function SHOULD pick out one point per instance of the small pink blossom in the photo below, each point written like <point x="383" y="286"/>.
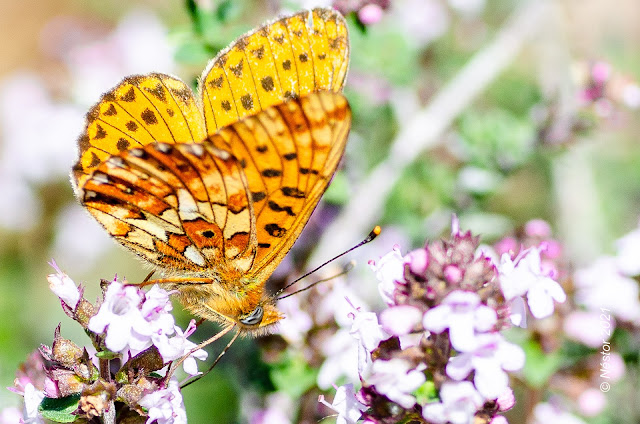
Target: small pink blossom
<point x="119" y="315"/>
<point x="524" y="275"/>
<point x="545" y="413"/>
<point x="506" y="400"/>
<point x="631" y="95"/>
<point x="64" y="287"/>
<point x="601" y="285"/>
<point x="132" y="318"/>
<point x="591" y="402"/>
<point x="462" y="313"/>
<point x="579" y="326"/>
<point x="537" y="228"/>
<point x="165" y="406"/>
<point x="628" y="253"/>
<point x="172" y="348"/>
<point x="453" y="274"/>
<point x="11" y="415"/>
<point x="342" y="359"/>
<point x="346" y="404"/>
<point x="32" y="399"/>
<point x="389" y="269"/>
<point x="368" y="332"/>
<point x="400" y="320"/>
<point x="459" y="402"/>
<point x="396" y="380"/>
<point x="370" y="14"/>
<point x="617" y="367"/>
<point x="492" y="357"/>
<point x="418" y="260"/>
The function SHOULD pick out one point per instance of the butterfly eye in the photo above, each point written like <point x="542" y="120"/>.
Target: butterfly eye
<point x="254" y="318"/>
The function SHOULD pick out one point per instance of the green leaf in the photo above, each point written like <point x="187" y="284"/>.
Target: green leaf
<point x="540" y="366"/>
<point x="59" y="409"/>
<point x="293" y="376"/>
<point x="106" y="354"/>
<point x="426" y="393"/>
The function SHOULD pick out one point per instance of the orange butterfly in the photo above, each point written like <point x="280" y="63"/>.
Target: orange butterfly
<point x="215" y="191"/>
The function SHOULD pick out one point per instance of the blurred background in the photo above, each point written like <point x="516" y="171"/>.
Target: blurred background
<point x="500" y="111"/>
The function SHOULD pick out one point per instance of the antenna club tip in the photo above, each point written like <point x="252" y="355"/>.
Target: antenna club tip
<point x="373" y="234"/>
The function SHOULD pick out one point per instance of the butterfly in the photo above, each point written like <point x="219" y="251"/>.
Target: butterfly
<point x="214" y="190"/>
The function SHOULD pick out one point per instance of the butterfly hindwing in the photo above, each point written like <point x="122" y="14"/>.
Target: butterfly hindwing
<point x="184" y="206"/>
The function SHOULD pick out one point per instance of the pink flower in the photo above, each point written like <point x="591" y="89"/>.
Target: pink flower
<point x="400" y="320"/>
<point x="418" y="260"/>
<point x="396" y="380"/>
<point x="524" y="275"/>
<point x="389" y="270"/>
<point x="601" y="285"/>
<point x="545" y="413"/>
<point x="368" y="332"/>
<point x="579" y="325"/>
<point x="119" y="315"/>
<point x="346" y="404"/>
<point x="591" y="402"/>
<point x="11" y="415"/>
<point x="628" y="253"/>
<point x="537" y="228"/>
<point x="342" y="359"/>
<point x="370" y="14"/>
<point x="463" y="314"/>
<point x="165" y="406"/>
<point x="458" y="404"/>
<point x="64" y="287"/>
<point x="172" y="348"/>
<point x="491" y="358"/>
<point x="133" y="319"/>
<point x="32" y="400"/>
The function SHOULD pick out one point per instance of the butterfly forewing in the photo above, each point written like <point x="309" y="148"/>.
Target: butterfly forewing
<point x="290" y="57"/>
<point x="140" y="110"/>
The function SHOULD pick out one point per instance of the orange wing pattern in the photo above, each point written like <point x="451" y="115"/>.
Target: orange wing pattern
<point x="197" y="207"/>
<point x="289" y="154"/>
<point x="140" y="110"/>
<point x="291" y="57"/>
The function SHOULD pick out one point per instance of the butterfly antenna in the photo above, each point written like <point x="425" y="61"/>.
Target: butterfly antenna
<point x="373" y="234"/>
<point x="348" y="267"/>
<point x="198" y="377"/>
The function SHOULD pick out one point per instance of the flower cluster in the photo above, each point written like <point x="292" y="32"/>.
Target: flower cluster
<point x="437" y="354"/>
<point x="604" y="88"/>
<point x="134" y="344"/>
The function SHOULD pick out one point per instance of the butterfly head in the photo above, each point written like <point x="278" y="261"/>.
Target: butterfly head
<point x="260" y="320"/>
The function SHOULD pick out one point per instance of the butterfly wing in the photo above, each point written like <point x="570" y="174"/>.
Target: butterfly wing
<point x="289" y="154"/>
<point x="290" y="57"/>
<point x="197" y="207"/>
<point x="181" y="206"/>
<point x="142" y="109"/>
